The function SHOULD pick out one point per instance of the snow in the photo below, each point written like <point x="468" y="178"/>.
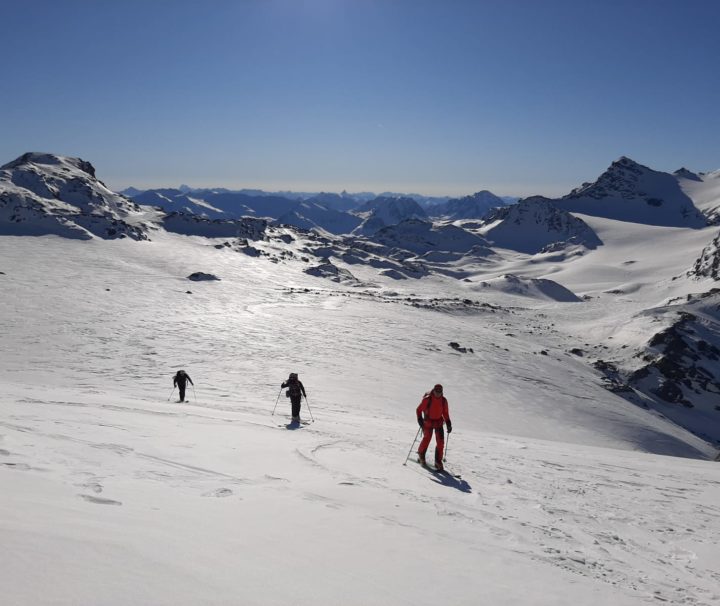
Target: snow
<point x="113" y="493"/>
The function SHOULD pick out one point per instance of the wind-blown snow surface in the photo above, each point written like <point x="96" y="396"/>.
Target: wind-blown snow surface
<point x="111" y="494"/>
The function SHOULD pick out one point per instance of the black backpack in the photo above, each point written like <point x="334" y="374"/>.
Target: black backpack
<point x="293" y="390"/>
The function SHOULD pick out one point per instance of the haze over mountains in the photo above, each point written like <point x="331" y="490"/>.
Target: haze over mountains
<point x="578" y="340"/>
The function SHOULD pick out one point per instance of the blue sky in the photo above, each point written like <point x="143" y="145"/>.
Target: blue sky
<point x="434" y="97"/>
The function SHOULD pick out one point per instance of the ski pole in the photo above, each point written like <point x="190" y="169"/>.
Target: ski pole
<point x="194" y="395"/>
<point x="276" y="401"/>
<point x="447" y="446"/>
<point x="310" y="411"/>
<point x="171" y="393"/>
<point x="413" y="445"/>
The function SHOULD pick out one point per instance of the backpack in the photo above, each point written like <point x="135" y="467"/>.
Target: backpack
<point x="293" y="390"/>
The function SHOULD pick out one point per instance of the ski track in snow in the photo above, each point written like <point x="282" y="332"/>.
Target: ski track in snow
<point x="624" y="523"/>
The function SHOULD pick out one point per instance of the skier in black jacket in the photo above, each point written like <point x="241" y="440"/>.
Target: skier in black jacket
<point x="295" y="392"/>
<point x="180" y="381"/>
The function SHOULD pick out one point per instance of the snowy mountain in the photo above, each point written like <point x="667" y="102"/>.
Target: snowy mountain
<point x="176" y="200"/>
<point x="47" y="194"/>
<point x="536" y="225"/>
<point x="384" y="211"/>
<point x="343" y="202"/>
<point x="313" y="215"/>
<point x="474" y="206"/>
<point x="628" y="191"/>
<point x="218" y="204"/>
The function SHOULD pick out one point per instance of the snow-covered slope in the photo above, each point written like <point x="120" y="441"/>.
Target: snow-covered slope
<point x="704" y="189"/>
<point x="628" y="191"/>
<point x="536" y="224"/>
<point x="537" y="288"/>
<point x="112" y="494"/>
<point x="48" y="194"/>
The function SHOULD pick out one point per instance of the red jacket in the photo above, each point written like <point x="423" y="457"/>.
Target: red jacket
<point x="433" y="408"/>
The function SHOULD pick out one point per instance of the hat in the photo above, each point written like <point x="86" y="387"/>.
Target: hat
<point x="438" y="387"/>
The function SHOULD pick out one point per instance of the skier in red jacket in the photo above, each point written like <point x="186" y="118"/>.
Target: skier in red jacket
<point x="431" y="413"/>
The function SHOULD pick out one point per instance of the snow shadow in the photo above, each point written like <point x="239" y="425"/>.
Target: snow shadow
<point x="451" y="481"/>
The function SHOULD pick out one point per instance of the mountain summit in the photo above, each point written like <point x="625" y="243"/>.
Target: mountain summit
<point x="628" y="191"/>
<point x="47" y="194"/>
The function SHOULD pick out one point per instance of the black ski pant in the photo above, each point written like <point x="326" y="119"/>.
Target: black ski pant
<point x="181" y="389"/>
<point x="295" y="402"/>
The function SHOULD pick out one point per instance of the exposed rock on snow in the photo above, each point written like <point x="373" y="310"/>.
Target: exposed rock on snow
<point x="628" y="191"/>
<point x="47" y="194"/>
<point x="421" y="237"/>
<point x="192" y="225"/>
<point x="456" y="347"/>
<point x="680" y="364"/>
<point x="708" y="264"/>
<point x="536" y="225"/>
<point x="679" y="360"/>
<point x="332" y="272"/>
<point x="199" y="276"/>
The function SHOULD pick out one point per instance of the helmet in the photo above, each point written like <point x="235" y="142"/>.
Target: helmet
<point x="293" y="375"/>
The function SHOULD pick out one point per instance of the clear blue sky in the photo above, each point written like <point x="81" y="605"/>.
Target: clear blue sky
<point x="434" y="97"/>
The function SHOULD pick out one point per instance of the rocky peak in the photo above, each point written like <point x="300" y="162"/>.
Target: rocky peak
<point x="39" y="159"/>
<point x="684" y="173"/>
<point x="620" y="179"/>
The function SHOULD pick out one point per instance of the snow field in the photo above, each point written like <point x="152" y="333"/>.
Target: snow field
<point x="113" y="495"/>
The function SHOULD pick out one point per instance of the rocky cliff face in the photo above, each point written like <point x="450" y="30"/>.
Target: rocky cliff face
<point x="708" y="264"/>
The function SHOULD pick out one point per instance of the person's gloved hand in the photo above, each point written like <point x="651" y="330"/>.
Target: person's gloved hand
<point x="421" y="423"/>
<point x="449" y="426"/>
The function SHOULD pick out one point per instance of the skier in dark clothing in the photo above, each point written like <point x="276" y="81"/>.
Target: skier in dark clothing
<point x="295" y="392"/>
<point x="180" y="381"/>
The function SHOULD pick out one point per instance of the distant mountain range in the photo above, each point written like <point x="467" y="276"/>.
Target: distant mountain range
<point x="343" y="213"/>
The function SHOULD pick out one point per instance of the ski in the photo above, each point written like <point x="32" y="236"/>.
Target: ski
<point x="444" y="472"/>
<point x="295" y="424"/>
